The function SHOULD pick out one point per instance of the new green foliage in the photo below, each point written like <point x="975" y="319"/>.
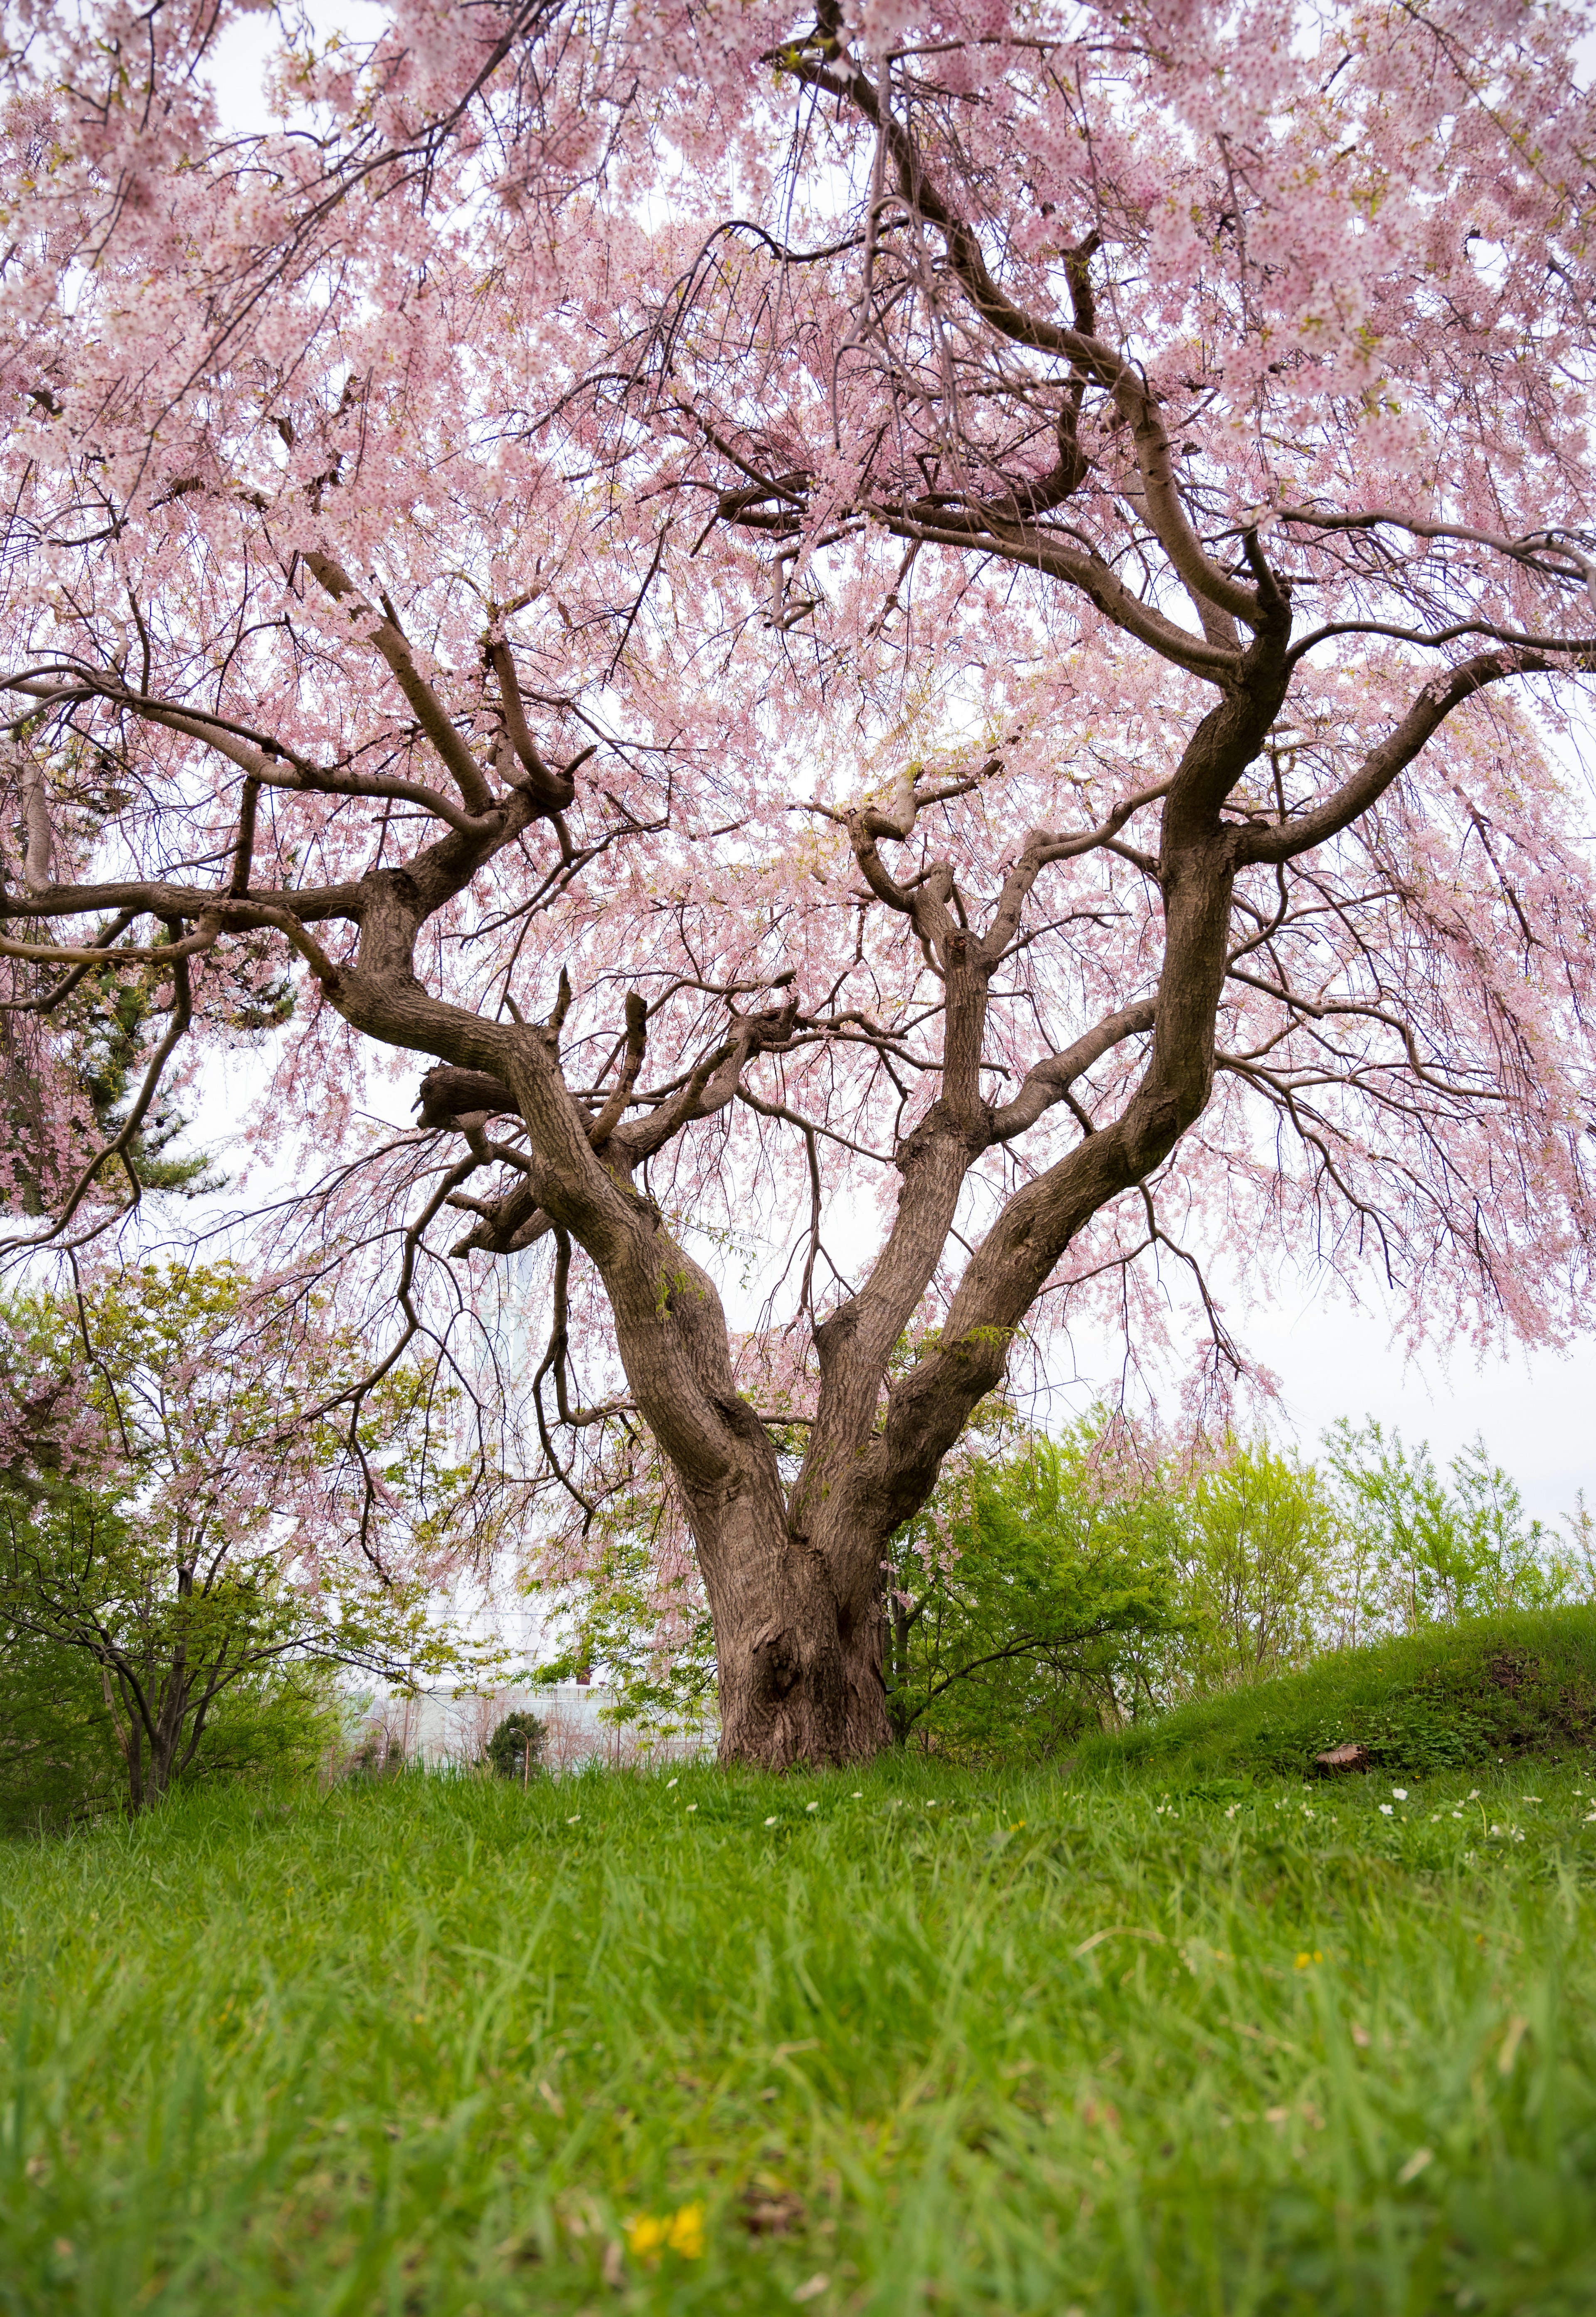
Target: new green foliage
<point x="1418" y="1551"/>
<point x="188" y="1530"/>
<point x="1011" y="1604"/>
<point x="1255" y="1535"/>
<point x="61" y="1759"/>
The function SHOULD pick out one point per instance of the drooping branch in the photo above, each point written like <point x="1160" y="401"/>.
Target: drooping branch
<point x="1300" y="833"/>
<point x="825" y="64"/>
<point x="382" y="631"/>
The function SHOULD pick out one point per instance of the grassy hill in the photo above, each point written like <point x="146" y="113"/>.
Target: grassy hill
<point x="895" y="2044"/>
<point x="1457" y="1698"/>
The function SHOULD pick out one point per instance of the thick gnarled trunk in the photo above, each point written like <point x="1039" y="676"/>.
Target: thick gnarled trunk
<point x="800" y="1673"/>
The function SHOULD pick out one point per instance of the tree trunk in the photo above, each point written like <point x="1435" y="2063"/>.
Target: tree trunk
<point x="800" y="1669"/>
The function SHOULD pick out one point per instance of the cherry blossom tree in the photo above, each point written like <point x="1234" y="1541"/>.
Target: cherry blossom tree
<point x="932" y="652"/>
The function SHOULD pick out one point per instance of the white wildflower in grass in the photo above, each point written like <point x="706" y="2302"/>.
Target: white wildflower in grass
<point x="1400" y="1792"/>
<point x="572" y="1820"/>
<point x="857" y="1795"/>
<point x="691" y="1808"/>
<point x="1473" y="1794"/>
<point x="1233" y="1810"/>
<point x="1386" y="1811"/>
<point x="811" y="1806"/>
<point x="1591" y="1818"/>
<point x="672" y="1782"/>
<point x="769" y="1821"/>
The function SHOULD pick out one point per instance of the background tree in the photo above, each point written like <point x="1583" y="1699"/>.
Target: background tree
<point x="515" y="1749"/>
<point x="1259" y="1556"/>
<point x="964" y="612"/>
<point x="1010" y="1601"/>
<point x="1419" y="1552"/>
<point x="181" y="1516"/>
<point x="60" y="1762"/>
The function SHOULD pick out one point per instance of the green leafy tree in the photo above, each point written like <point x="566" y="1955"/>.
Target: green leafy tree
<point x="60" y="1761"/>
<point x="1256" y="1565"/>
<point x="515" y="1749"/>
<point x="1420" y="1552"/>
<point x="189" y="1505"/>
<point x="1014" y="1605"/>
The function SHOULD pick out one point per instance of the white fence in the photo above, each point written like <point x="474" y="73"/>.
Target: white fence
<point x="443" y="1727"/>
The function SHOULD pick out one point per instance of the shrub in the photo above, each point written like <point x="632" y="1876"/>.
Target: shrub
<point x="60" y="1763"/>
<point x="515" y="1749"/>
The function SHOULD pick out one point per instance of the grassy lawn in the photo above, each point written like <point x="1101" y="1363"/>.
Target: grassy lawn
<point x="909" y="2040"/>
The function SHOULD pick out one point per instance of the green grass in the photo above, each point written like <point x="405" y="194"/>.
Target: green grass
<point x="1453" y="1698"/>
<point x="944" y="2042"/>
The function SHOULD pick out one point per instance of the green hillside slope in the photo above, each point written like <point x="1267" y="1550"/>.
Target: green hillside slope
<point x="1492" y="1690"/>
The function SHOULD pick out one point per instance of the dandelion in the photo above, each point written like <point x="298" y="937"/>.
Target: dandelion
<point x="1386" y="1811"/>
<point x="649" y="2234"/>
<point x="1306" y="1958"/>
<point x="1400" y="1792"/>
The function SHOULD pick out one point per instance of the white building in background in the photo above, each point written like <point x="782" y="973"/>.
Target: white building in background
<point x="444" y="1728"/>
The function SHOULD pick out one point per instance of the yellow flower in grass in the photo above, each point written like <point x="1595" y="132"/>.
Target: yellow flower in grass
<point x="650" y="2233"/>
